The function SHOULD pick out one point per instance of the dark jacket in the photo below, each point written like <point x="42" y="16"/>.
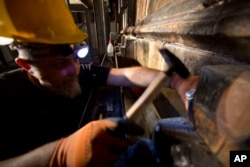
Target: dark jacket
<point x="31" y="117"/>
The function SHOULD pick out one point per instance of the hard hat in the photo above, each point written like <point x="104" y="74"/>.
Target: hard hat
<point x="38" y="21"/>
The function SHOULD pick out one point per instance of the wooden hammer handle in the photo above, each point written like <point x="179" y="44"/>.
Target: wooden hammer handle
<point x="149" y="95"/>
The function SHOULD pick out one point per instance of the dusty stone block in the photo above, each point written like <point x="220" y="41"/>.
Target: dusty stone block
<point x="213" y="81"/>
<point x="222" y="108"/>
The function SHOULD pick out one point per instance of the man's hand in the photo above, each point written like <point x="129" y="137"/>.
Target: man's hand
<point x="182" y="85"/>
<point x="92" y="145"/>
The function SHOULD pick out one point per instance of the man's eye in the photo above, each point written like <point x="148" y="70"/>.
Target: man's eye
<point x="61" y="63"/>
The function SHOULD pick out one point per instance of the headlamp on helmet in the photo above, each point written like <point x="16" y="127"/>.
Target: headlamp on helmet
<point x="36" y="50"/>
<point x="81" y="49"/>
<point x="5" y="40"/>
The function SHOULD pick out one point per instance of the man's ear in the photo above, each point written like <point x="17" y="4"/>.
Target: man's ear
<point x="22" y="63"/>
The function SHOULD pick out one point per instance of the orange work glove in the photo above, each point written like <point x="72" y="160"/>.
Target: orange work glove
<point x="92" y="145"/>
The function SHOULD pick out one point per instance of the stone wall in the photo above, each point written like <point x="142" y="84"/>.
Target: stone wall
<point x="211" y="37"/>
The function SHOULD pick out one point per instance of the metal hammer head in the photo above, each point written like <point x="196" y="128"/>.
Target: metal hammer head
<point x="175" y="65"/>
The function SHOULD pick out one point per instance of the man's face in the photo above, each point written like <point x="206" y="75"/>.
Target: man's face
<point x="58" y="74"/>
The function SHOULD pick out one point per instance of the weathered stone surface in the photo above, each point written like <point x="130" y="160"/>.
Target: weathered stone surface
<point x="214" y="80"/>
<point x="203" y="34"/>
<point x="222" y="108"/>
<point x="216" y="29"/>
<point x="195" y="18"/>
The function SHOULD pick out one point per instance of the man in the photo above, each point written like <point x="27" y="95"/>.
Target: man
<point x="42" y="102"/>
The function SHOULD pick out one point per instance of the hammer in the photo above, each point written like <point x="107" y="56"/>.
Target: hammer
<point x="127" y="124"/>
<point x="153" y="90"/>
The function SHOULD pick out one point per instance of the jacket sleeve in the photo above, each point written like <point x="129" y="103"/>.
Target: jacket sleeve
<point x="93" y="75"/>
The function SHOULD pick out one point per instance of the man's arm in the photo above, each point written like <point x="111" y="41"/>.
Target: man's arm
<point x="143" y="76"/>
<point x="92" y="145"/>
<point x="39" y="157"/>
<point x="131" y="76"/>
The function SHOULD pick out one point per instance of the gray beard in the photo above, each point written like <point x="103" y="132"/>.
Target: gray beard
<point x="71" y="92"/>
<point x="68" y="91"/>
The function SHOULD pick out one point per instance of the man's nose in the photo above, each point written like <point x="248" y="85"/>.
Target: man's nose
<point x="73" y="68"/>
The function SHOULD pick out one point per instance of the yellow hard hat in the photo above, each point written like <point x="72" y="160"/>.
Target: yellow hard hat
<point x="38" y="21"/>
